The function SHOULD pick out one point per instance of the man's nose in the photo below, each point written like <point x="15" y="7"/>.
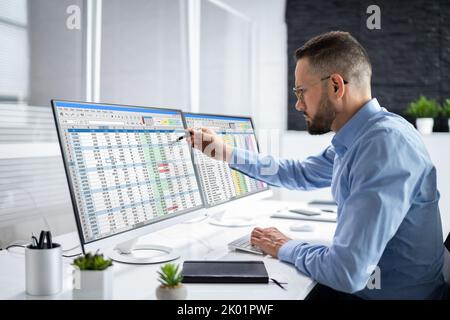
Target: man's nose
<point x="300" y="105"/>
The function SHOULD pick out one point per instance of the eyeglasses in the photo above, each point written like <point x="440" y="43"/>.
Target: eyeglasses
<point x="300" y="91"/>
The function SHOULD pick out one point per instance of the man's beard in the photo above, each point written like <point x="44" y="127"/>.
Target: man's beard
<point x="323" y="119"/>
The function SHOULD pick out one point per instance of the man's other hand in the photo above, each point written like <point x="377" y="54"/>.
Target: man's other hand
<point x="268" y="240"/>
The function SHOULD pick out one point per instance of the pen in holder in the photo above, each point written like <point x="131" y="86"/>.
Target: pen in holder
<point x="43" y="268"/>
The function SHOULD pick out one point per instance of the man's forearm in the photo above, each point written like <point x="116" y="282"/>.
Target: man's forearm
<point x="290" y="174"/>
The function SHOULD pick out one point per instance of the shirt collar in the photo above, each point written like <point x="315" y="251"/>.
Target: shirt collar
<point x="344" y="138"/>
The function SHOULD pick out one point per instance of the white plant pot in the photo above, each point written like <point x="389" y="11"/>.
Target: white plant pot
<point x="425" y="125"/>
<point x="92" y="284"/>
<point x="449" y="125"/>
<point x="166" y="293"/>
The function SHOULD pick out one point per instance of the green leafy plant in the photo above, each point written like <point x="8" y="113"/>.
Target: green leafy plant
<point x="170" y="275"/>
<point x="445" y="111"/>
<point x="423" y="108"/>
<point x="92" y="262"/>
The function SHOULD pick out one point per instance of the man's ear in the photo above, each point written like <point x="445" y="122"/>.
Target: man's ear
<point x="338" y="84"/>
<point x="335" y="84"/>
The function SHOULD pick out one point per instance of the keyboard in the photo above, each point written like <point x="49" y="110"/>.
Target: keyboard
<point x="243" y="244"/>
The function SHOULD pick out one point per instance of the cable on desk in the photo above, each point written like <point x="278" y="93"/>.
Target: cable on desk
<point x="73" y="248"/>
<point x="16" y="242"/>
<point x="13" y="246"/>
<point x="72" y="255"/>
<point x="65" y="256"/>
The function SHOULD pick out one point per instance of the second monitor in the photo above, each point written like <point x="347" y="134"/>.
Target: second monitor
<point x="220" y="183"/>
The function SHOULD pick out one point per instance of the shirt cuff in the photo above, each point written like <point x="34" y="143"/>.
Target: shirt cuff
<point x="241" y="157"/>
<point x="286" y="252"/>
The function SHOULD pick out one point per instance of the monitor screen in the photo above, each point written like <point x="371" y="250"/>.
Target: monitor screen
<point x="124" y="171"/>
<point x="219" y="182"/>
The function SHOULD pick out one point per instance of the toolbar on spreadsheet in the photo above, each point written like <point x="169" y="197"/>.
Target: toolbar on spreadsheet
<point x="219" y="182"/>
<point x="125" y="170"/>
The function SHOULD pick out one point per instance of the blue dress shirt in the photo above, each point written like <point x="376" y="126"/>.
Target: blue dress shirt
<point x="388" y="242"/>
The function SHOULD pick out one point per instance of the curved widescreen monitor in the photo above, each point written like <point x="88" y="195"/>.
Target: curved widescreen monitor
<point x="124" y="171"/>
<point x="219" y="182"/>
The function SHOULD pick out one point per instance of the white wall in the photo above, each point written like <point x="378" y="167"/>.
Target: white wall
<point x="56" y="53"/>
<point x="13" y="50"/>
<point x="300" y="145"/>
<point x="271" y="55"/>
<point x="144" y="53"/>
<point x="438" y="145"/>
<point x="225" y="63"/>
<point x="271" y="71"/>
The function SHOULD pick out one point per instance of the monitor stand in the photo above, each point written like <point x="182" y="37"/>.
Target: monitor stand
<point x="225" y="218"/>
<point x="129" y="252"/>
<point x="237" y="213"/>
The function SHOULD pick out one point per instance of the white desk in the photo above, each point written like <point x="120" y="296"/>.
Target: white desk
<point x="197" y="241"/>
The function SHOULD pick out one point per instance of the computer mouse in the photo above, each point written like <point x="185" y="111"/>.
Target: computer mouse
<point x="301" y="227"/>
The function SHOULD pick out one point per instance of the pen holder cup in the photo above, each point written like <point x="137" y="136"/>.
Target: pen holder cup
<point x="43" y="270"/>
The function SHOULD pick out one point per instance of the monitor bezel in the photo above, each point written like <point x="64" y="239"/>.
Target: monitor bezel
<point x="207" y="205"/>
<point x="133" y="232"/>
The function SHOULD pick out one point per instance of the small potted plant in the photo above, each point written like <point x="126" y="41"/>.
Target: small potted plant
<point x="92" y="277"/>
<point x="171" y="287"/>
<point x="424" y="110"/>
<point x="445" y="111"/>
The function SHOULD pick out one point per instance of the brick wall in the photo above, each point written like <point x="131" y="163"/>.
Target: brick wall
<point x="410" y="54"/>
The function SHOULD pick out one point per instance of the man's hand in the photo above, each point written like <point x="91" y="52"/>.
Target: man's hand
<point x="268" y="240"/>
<point x="208" y="142"/>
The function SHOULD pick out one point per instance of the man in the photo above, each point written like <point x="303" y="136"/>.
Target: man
<point x="380" y="174"/>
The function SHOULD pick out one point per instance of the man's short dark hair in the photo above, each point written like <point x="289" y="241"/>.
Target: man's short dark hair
<point x="337" y="52"/>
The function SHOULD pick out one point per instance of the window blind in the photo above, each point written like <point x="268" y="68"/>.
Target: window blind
<point x="14" y="50"/>
<point x="33" y="185"/>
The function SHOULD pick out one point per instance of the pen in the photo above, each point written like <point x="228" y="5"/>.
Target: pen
<point x="277" y="283"/>
<point x="181" y="137"/>
<point x="49" y="240"/>
<point x="34" y="241"/>
<point x="41" y="240"/>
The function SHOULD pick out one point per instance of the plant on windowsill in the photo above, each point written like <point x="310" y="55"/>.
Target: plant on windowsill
<point x="424" y="110"/>
<point x="445" y="111"/>
<point x="92" y="277"/>
<point x="171" y="287"/>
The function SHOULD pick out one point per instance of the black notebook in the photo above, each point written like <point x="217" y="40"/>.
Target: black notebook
<point x="224" y="272"/>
